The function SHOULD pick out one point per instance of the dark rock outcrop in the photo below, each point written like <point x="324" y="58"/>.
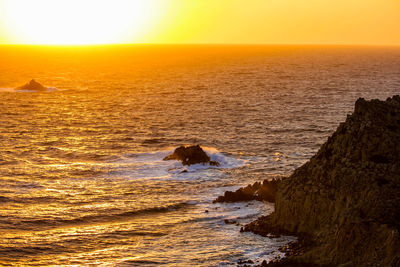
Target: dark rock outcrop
<point x="190" y="155"/>
<point x="347" y="196"/>
<point x="32" y="85"/>
<point x="264" y="191"/>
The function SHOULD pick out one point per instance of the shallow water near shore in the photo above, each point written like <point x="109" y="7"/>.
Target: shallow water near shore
<point x="81" y="170"/>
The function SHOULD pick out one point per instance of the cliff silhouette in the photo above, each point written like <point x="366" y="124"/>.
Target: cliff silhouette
<point x="344" y="203"/>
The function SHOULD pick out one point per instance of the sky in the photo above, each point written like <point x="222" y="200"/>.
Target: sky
<point x="364" y="22"/>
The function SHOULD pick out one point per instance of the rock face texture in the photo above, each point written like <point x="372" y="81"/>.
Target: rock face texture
<point x="190" y="155"/>
<point x="346" y="198"/>
<point x="264" y="191"/>
<point x="32" y="85"/>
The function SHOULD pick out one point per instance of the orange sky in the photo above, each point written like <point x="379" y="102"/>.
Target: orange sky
<point x="371" y="22"/>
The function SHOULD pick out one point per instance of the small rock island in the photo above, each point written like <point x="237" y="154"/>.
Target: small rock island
<point x="33" y="86"/>
<point x="190" y="155"/>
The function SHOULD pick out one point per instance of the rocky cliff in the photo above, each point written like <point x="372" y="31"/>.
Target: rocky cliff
<point x="346" y="198"/>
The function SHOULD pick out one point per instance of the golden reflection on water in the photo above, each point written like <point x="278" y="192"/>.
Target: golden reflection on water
<point x="81" y="170"/>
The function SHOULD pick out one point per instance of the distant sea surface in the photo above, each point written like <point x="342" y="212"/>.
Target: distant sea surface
<point x="82" y="180"/>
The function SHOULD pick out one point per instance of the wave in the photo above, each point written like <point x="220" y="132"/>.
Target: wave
<point x="71" y="244"/>
<point x="151" y="164"/>
<point x="152" y="141"/>
<point x="315" y="129"/>
<point x="139" y="262"/>
<point x="13" y="90"/>
<point x="4" y="199"/>
<point x="99" y="218"/>
<point x="7" y="89"/>
<point x="29" y="200"/>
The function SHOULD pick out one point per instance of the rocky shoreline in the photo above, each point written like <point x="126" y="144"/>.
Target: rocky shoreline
<point x="264" y="191"/>
<point x="344" y="203"/>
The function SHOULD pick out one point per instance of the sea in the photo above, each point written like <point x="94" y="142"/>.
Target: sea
<point x="82" y="176"/>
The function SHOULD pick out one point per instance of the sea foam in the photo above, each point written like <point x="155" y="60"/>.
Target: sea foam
<point x="152" y="166"/>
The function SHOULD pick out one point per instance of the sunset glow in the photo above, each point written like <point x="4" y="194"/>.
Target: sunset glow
<point x="199" y="133"/>
<point x="370" y="22"/>
<point x="76" y="21"/>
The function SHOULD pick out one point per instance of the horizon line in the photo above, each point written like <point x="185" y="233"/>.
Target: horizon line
<point x="203" y="44"/>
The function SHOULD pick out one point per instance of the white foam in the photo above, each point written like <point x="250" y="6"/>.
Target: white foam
<point x="152" y="165"/>
<point x="13" y="90"/>
<point x="48" y="89"/>
<point x="7" y="90"/>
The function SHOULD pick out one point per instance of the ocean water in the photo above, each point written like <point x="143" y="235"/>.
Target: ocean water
<point x="82" y="180"/>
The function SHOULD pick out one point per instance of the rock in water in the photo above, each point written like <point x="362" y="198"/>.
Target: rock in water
<point x="347" y="196"/>
<point x="190" y="155"/>
<point x="32" y="85"/>
<point x="264" y="191"/>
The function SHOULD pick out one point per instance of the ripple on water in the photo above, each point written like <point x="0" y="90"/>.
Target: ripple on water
<point x="83" y="181"/>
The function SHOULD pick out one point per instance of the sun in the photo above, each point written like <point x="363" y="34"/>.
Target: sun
<point x="75" y="22"/>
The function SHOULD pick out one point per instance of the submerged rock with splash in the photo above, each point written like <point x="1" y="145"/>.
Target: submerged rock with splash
<point x="190" y="155"/>
<point x="33" y="86"/>
<point x="346" y="198"/>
